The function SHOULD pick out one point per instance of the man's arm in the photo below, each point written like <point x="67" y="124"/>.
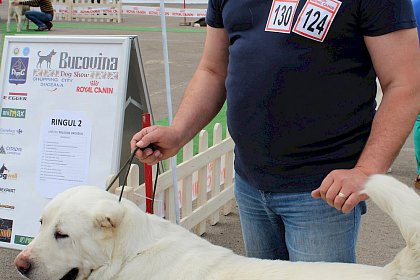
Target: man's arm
<point x="32" y="3"/>
<point x="396" y="58"/>
<point x="203" y="99"/>
<point x="206" y="93"/>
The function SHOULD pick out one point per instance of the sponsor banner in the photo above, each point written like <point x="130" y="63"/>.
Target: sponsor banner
<point x="169" y="12"/>
<point x="6" y="226"/>
<point x="10" y="150"/>
<point x="23" y="240"/>
<point x="134" y="10"/>
<point x="62" y="114"/>
<point x="7" y="190"/>
<point x="10" y="131"/>
<point x="6" y="206"/>
<point x="16" y="96"/>
<point x="18" y="70"/>
<point x="14" y="113"/>
<point x="6" y="174"/>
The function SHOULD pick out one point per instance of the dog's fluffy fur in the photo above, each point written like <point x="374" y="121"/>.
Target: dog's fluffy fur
<point x="18" y="13"/>
<point x="87" y="234"/>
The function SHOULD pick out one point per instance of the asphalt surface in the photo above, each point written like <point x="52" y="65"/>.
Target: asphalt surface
<point x="379" y="238"/>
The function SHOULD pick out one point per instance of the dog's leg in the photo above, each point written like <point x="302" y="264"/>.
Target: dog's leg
<point x="19" y="21"/>
<point x="9" y="15"/>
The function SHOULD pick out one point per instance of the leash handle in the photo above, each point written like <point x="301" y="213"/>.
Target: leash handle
<point x="148" y="180"/>
<point x="147" y="171"/>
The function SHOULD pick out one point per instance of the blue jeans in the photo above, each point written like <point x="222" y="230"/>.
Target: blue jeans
<point x="295" y="226"/>
<point x="39" y="18"/>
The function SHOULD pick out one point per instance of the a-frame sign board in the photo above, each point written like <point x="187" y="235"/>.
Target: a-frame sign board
<point x="69" y="105"/>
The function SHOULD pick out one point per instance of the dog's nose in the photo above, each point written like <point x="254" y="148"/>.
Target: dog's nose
<point x="22" y="263"/>
<point x="24" y="269"/>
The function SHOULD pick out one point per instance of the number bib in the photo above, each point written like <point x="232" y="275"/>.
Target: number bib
<point x="281" y="16"/>
<point x="315" y="19"/>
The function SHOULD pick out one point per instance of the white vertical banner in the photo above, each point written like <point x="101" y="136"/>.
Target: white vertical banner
<point x="62" y="115"/>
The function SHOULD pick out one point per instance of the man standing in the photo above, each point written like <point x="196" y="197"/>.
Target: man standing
<point x="299" y="78"/>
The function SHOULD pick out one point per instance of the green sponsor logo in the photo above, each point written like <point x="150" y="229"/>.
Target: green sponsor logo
<point x="23" y="240"/>
<point x="13" y="113"/>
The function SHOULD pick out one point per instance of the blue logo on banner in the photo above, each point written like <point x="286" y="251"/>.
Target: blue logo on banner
<point x="26" y="51"/>
<point x="18" y="70"/>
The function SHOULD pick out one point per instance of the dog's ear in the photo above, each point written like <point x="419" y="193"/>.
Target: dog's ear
<point x="108" y="214"/>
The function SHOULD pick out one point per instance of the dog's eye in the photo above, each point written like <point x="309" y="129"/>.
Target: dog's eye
<point x="59" y="235"/>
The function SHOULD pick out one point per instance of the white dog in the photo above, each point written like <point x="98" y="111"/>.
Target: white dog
<point x="17" y="12"/>
<point x="87" y="234"/>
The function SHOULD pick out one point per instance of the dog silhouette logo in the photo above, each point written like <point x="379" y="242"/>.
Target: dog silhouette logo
<point x="47" y="58"/>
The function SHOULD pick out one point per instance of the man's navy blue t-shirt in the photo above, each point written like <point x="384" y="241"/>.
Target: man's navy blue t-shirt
<point x="301" y="85"/>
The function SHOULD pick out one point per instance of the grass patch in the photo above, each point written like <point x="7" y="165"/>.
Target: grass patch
<point x="220" y="118"/>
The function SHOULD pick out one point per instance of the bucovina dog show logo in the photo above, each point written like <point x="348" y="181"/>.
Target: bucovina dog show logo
<point x="55" y="69"/>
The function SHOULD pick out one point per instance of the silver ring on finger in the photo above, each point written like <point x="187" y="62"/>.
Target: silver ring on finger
<point x="342" y="195"/>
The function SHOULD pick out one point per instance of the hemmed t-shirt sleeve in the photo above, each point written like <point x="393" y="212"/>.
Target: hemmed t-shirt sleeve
<point x="214" y="14"/>
<point x="386" y="16"/>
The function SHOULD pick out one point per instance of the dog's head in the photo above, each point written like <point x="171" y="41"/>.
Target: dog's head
<point x="76" y="238"/>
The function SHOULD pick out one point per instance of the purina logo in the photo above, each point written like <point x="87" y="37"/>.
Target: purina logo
<point x="16" y="96"/>
<point x="13" y="113"/>
<point x="18" y="70"/>
<point x="5" y="174"/>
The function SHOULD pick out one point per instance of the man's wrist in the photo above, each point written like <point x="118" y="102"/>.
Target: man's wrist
<point x="370" y="170"/>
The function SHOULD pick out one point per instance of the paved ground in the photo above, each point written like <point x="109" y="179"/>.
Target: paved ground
<point x="379" y="238"/>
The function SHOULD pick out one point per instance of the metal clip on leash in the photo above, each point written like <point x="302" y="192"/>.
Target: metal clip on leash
<point x="128" y="163"/>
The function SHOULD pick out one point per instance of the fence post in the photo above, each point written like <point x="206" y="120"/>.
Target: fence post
<point x="187" y="182"/>
<point x="229" y="177"/>
<point x="203" y="144"/>
<point x="215" y="174"/>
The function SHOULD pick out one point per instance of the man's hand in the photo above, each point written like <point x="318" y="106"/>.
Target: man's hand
<point x="340" y="188"/>
<point x="15" y="3"/>
<point x="164" y="139"/>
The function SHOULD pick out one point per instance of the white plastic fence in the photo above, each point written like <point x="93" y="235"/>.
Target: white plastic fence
<point x="206" y="183"/>
<point x="112" y="10"/>
<point x="88" y="10"/>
